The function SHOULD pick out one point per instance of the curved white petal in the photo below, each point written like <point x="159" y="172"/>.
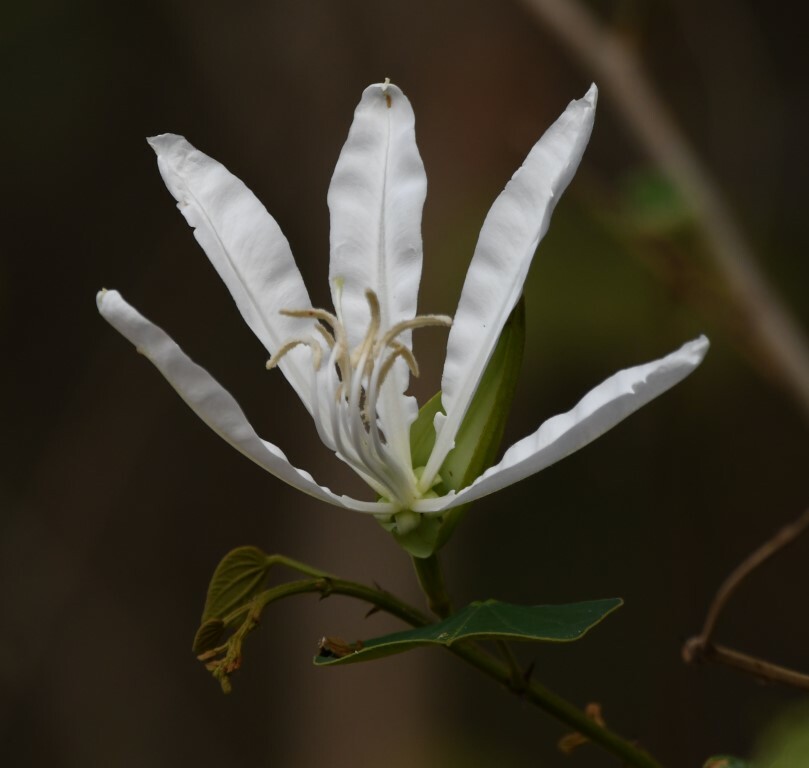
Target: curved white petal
<point x="212" y="403"/>
<point x="516" y="223"/>
<point x="375" y="199"/>
<point x="598" y="411"/>
<point x="247" y="248"/>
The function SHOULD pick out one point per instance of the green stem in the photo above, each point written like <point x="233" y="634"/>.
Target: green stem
<point x="503" y="673"/>
<point x="472" y="654"/>
<point x="329" y="585"/>
<point x="431" y="580"/>
<point x="517" y="674"/>
<point x="555" y="705"/>
<point x="296" y="565"/>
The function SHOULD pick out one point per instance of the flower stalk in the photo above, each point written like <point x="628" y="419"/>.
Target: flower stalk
<point x="431" y="581"/>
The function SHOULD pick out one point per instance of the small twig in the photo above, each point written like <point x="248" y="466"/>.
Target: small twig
<point x="785" y="536"/>
<point x="617" y="67"/>
<point x="764" y="670"/>
<point x="702" y="648"/>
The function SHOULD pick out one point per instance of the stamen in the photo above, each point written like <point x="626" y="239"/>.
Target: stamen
<point x="320" y="314"/>
<point x="325" y="334"/>
<point x="347" y="390"/>
<point x="420" y="321"/>
<point x="317" y="353"/>
<point x="404" y="353"/>
<point x="409" y="357"/>
<point x="366" y="347"/>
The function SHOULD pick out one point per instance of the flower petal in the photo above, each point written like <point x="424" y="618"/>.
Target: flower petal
<point x="247" y="248"/>
<point x="375" y="199"/>
<point x="598" y="411"/>
<point x="212" y="403"/>
<point x="516" y="223"/>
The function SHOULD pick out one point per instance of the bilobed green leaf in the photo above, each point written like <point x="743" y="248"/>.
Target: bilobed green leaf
<point x="208" y="636"/>
<point x="240" y="575"/>
<point x="479" y="621"/>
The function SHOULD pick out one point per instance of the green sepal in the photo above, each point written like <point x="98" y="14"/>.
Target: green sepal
<point x="478" y="439"/>
<point x="482" y="621"/>
<point x="422" y="431"/>
<point x="419" y="541"/>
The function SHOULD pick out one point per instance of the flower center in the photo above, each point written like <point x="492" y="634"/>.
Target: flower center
<point x="346" y="391"/>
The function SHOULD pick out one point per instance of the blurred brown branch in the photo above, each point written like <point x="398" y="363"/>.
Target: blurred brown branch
<point x="702" y="648"/>
<point x="619" y="70"/>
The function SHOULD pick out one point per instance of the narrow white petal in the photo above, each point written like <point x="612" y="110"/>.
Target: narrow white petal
<point x="212" y="403"/>
<point x="516" y="223"/>
<point x="375" y="199"/>
<point x="598" y="411"/>
<point x="247" y="248"/>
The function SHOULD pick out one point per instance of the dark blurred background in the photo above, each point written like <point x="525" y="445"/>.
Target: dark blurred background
<point x="117" y="502"/>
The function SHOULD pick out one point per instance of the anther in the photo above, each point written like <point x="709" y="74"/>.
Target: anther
<point x="320" y="314"/>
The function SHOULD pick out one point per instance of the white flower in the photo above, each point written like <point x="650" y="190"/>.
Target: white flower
<point x="351" y="367"/>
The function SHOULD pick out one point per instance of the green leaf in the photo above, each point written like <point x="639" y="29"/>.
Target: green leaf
<point x="208" y="636"/>
<point x="479" y="621"/>
<point x="478" y="439"/>
<point x="240" y="575"/>
<point x="726" y="761"/>
<point x="236" y="598"/>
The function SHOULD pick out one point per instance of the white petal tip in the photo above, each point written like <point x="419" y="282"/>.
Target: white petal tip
<point x="696" y="349"/>
<point x="591" y="97"/>
<point x="164" y="142"/>
<point x="100" y="296"/>
<point x="386" y="90"/>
